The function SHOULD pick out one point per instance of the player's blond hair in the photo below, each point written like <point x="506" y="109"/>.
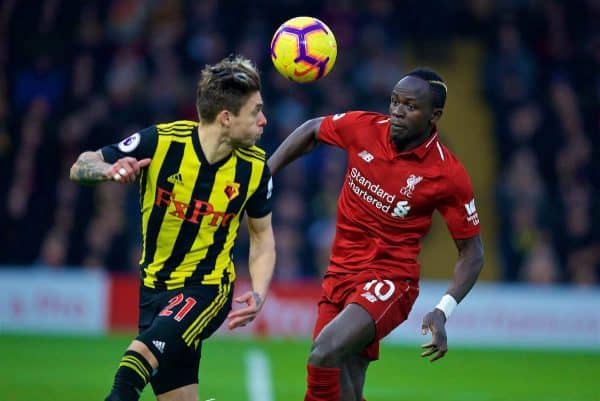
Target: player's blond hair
<point x="226" y="85"/>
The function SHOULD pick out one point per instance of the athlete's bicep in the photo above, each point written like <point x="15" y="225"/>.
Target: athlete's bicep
<point x="140" y="145"/>
<point x="261" y="226"/>
<point x="315" y="127"/>
<point x="469" y="246"/>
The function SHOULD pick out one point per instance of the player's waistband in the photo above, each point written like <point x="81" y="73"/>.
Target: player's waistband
<point x="162" y="287"/>
<point x="379" y="273"/>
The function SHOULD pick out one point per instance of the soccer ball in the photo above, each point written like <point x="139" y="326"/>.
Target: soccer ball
<point x="303" y="49"/>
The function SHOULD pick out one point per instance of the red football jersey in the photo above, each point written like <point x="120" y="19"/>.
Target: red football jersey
<point x="388" y="198"/>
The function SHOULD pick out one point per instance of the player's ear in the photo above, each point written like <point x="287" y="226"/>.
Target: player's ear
<point x="436" y="115"/>
<point x="224" y="118"/>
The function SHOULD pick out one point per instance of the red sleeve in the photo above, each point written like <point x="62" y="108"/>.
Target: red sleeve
<point x="338" y="129"/>
<point x="457" y="205"/>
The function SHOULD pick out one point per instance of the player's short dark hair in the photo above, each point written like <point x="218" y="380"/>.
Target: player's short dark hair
<point x="436" y="84"/>
<point x="226" y="85"/>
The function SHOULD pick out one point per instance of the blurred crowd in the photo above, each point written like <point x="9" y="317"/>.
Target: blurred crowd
<point x="75" y="76"/>
<point x="542" y="81"/>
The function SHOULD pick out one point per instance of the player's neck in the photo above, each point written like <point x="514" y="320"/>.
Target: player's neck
<point x="212" y="144"/>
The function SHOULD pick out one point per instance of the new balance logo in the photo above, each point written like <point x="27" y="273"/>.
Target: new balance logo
<point x="176" y="179"/>
<point x="366" y="156"/>
<point x="160" y="345"/>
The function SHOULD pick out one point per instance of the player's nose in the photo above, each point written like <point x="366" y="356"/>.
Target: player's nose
<point x="399" y="111"/>
<point x="262" y="119"/>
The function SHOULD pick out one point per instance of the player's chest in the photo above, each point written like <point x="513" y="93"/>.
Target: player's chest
<point x="202" y="181"/>
<point x="397" y="188"/>
<point x="192" y="193"/>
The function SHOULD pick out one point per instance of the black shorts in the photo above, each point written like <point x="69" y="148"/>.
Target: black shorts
<point x="173" y="324"/>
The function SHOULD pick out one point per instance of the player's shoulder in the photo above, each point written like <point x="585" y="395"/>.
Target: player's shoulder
<point x="177" y="128"/>
<point x="359" y="116"/>
<point x="449" y="164"/>
<point x="447" y="155"/>
<point x="252" y="153"/>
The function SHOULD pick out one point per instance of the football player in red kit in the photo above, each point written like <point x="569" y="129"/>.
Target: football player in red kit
<point x="398" y="174"/>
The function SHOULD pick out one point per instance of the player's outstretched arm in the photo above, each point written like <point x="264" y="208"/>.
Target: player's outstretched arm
<point x="261" y="264"/>
<point x="466" y="271"/>
<point x="301" y="141"/>
<point x="90" y="168"/>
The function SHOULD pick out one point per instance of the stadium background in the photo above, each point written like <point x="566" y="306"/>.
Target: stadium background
<point x="523" y="114"/>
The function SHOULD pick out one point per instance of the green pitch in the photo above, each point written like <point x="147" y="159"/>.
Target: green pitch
<point x="75" y="368"/>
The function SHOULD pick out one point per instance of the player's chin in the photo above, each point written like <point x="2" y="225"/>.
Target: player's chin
<point x="251" y="142"/>
<point x="399" y="135"/>
<point x="248" y="144"/>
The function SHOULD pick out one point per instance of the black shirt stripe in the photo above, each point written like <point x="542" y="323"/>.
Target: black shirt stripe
<point x="169" y="166"/>
<point x="189" y="231"/>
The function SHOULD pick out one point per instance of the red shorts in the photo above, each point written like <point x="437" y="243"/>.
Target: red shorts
<point x="388" y="300"/>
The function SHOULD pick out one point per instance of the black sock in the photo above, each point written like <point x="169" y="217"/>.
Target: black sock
<point x="131" y="378"/>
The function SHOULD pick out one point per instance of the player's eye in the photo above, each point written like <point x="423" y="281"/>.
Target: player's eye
<point x="411" y="107"/>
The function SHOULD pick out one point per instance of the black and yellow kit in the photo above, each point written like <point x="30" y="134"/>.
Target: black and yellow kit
<point x="191" y="212"/>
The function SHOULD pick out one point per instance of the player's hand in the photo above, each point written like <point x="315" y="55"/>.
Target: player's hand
<point x="127" y="169"/>
<point x="435" y="322"/>
<point x="243" y="316"/>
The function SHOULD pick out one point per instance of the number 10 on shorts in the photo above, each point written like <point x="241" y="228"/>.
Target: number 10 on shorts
<point x="378" y="289"/>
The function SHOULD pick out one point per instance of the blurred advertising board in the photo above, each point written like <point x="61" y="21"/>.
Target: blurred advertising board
<point x="86" y="301"/>
<point x="512" y="315"/>
<point x="64" y="301"/>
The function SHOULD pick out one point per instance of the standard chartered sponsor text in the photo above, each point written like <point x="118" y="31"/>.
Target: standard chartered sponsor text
<point x="369" y="191"/>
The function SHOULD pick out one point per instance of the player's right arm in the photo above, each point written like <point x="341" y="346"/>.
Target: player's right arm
<point x="121" y="162"/>
<point x="301" y="141"/>
<point x="90" y="168"/>
<point x="337" y="130"/>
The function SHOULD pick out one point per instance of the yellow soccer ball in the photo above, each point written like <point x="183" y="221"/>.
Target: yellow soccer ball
<point x="303" y="49"/>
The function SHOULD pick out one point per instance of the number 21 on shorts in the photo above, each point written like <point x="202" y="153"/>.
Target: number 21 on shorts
<point x="173" y="302"/>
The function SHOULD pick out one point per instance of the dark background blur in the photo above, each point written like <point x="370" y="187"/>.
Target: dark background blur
<point x="523" y="114"/>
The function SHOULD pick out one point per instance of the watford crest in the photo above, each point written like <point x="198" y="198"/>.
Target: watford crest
<point x="232" y="190"/>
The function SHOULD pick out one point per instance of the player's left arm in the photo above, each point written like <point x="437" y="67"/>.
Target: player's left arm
<point x="261" y="261"/>
<point x="466" y="271"/>
<point x="457" y="206"/>
<point x="261" y="265"/>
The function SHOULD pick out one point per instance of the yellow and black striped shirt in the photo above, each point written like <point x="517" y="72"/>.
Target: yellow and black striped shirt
<point x="191" y="210"/>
